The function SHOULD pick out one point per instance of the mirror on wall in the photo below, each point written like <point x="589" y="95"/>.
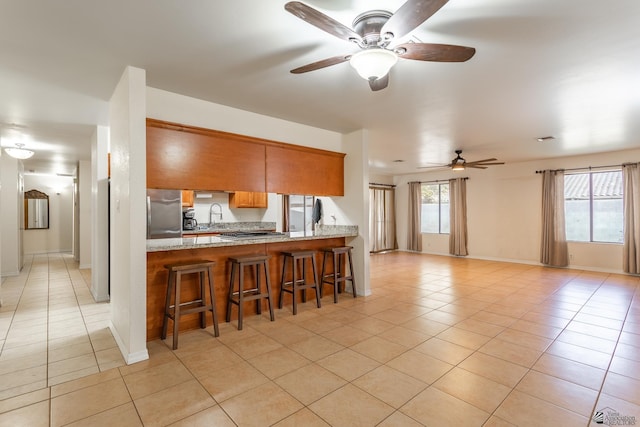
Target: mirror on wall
<point x="36" y="210"/>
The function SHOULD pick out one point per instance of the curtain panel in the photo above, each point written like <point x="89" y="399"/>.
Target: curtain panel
<point x="553" y="250"/>
<point x="458" y="217"/>
<point x="382" y="219"/>
<point x="414" y="237"/>
<point x="631" y="191"/>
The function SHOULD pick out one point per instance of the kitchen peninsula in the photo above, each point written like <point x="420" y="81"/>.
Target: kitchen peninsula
<point x="185" y="157"/>
<point x="216" y="248"/>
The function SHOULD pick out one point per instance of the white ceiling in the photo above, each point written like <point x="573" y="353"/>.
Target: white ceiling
<point x="567" y="68"/>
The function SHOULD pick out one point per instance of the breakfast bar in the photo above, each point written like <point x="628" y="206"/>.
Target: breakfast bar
<point x="219" y="248"/>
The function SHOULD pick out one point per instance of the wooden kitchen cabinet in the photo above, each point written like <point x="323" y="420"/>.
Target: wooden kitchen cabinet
<point x="292" y="169"/>
<point x="181" y="157"/>
<point x="187" y="198"/>
<point x="248" y="199"/>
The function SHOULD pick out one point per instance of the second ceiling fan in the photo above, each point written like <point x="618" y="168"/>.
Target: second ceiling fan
<point x="374" y="32"/>
<point x="460" y="164"/>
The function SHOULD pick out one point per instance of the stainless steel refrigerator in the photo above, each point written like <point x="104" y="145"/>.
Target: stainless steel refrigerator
<point x="164" y="213"/>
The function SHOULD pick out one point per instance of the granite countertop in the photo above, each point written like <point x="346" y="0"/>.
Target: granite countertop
<point x="323" y="232"/>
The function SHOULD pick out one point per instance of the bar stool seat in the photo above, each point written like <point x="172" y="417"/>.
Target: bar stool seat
<point x="178" y="309"/>
<point x="298" y="283"/>
<point x="337" y="277"/>
<point x="238" y="297"/>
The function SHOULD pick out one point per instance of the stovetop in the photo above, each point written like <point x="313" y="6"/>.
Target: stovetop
<point x="250" y="234"/>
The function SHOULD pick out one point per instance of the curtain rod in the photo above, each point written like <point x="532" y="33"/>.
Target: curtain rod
<point x="382" y="185"/>
<point x="586" y="168"/>
<point x="436" y="180"/>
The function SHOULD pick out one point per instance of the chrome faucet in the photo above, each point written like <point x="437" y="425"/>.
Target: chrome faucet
<point x="213" y="213"/>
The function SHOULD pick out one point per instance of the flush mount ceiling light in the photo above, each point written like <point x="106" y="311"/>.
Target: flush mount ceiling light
<point x="18" y="152"/>
<point x="373" y="63"/>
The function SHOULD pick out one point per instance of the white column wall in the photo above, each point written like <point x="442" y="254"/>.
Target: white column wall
<point x="100" y="214"/>
<point x="11" y="224"/>
<point x="127" y="113"/>
<point x="84" y="201"/>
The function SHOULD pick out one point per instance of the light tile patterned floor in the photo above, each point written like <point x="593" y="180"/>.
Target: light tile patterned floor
<point x="442" y="341"/>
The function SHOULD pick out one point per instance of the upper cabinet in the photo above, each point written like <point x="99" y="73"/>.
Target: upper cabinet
<point x="187" y="198"/>
<point x="181" y="156"/>
<point x="292" y="169"/>
<point x="248" y="199"/>
<point x="200" y="159"/>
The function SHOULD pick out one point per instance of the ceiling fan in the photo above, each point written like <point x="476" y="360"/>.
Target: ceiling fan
<point x="460" y="164"/>
<point x="374" y="32"/>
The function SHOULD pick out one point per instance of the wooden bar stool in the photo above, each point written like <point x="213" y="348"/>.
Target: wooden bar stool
<point x="175" y="311"/>
<point x="238" y="297"/>
<point x="298" y="283"/>
<point x="339" y="255"/>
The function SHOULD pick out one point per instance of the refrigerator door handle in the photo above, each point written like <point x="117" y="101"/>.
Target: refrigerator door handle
<point x="148" y="217"/>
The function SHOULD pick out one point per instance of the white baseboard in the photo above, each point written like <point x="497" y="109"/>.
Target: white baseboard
<point x="526" y="262"/>
<point x="129" y="358"/>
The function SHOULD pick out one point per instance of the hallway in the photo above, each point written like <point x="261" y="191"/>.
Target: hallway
<point x="51" y="330"/>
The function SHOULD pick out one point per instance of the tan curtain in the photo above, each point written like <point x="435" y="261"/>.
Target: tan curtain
<point x="458" y="217"/>
<point x="382" y="219"/>
<point x="414" y="236"/>
<point x="553" y="250"/>
<point x="285" y="212"/>
<point x="631" y="247"/>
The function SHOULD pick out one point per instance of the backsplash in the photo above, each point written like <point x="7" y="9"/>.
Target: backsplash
<point x="333" y="229"/>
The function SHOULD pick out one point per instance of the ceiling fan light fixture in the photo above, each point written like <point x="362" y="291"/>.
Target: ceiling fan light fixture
<point x="18" y="152"/>
<point x="373" y="63"/>
<point x="458" y="167"/>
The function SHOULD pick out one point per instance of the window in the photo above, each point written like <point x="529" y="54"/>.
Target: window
<point x="435" y="208"/>
<point x="593" y="207"/>
<point x="300" y="212"/>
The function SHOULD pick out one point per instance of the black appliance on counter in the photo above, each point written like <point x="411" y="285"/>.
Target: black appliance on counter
<point x="189" y="222"/>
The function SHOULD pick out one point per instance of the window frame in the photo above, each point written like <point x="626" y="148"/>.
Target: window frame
<point x="590" y="175"/>
<point x="440" y="185"/>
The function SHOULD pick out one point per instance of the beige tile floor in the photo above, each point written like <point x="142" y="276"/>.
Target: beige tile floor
<point x="441" y="342"/>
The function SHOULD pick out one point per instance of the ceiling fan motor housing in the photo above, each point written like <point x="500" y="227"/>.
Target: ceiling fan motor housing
<point x="368" y="26"/>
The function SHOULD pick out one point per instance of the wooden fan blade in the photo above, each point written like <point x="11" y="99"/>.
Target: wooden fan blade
<point x="474" y="166"/>
<point x="434" y="52"/>
<point x="380" y="83"/>
<point x="322" y="21"/>
<point x="409" y="16"/>
<point x="321" y="64"/>
<point x="481" y="161"/>
<point x="488" y="164"/>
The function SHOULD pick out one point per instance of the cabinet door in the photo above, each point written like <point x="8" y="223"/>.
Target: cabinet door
<point x="202" y="160"/>
<point x="187" y="198"/>
<point x="247" y="199"/>
<point x="297" y="170"/>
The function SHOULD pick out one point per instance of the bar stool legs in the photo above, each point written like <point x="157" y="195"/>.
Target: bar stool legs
<point x="339" y="255"/>
<point x="238" y="297"/>
<point x="177" y="309"/>
<point x="298" y="283"/>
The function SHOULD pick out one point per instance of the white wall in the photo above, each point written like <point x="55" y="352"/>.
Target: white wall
<point x="84" y="209"/>
<point x="100" y="214"/>
<point x="59" y="236"/>
<point x="127" y="113"/>
<point x="504" y="212"/>
<point x="202" y="205"/>
<point x="12" y="221"/>
<point x="172" y="107"/>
